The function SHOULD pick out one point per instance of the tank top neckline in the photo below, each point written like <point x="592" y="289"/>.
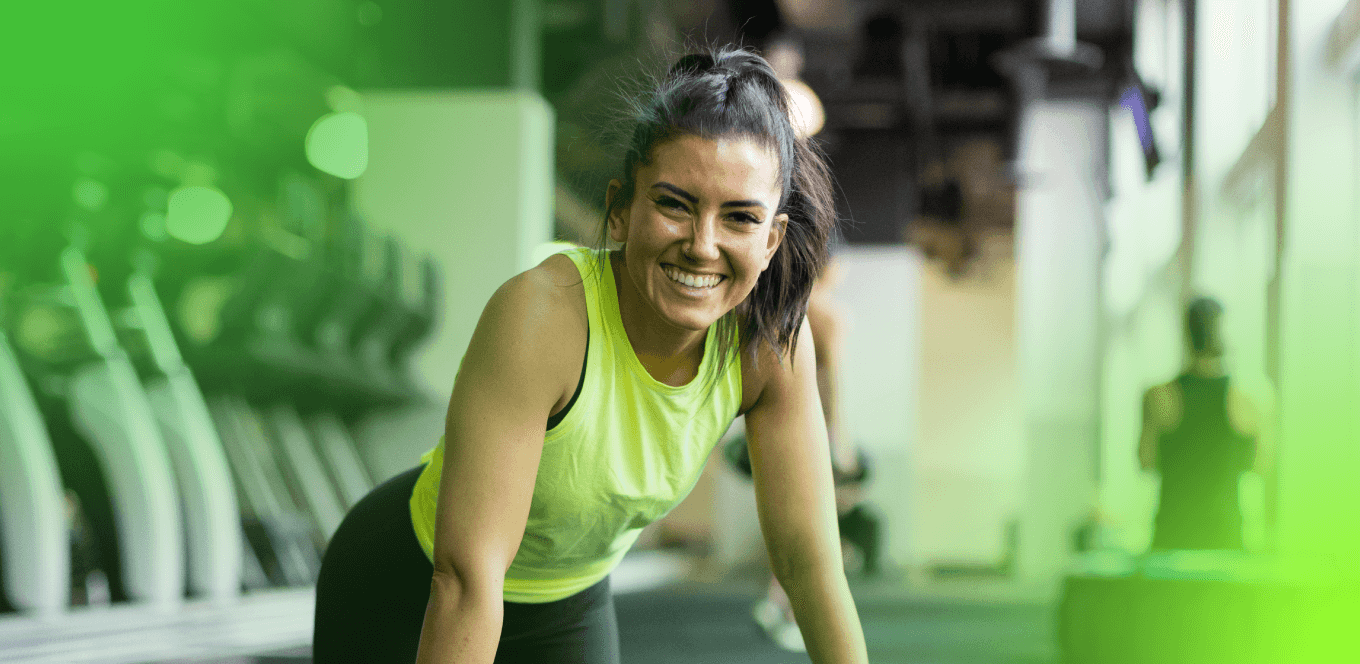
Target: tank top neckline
<point x="613" y="322"/>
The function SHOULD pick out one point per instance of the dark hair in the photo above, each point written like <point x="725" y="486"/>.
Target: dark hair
<point x="1201" y="325"/>
<point x="733" y="92"/>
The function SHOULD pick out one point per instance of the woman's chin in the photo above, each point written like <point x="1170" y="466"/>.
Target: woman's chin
<point x="692" y="323"/>
<point x="689" y="318"/>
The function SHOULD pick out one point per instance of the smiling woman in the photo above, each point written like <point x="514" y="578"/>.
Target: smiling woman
<point x="696" y="238"/>
<point x="733" y="99"/>
<point x="593" y="390"/>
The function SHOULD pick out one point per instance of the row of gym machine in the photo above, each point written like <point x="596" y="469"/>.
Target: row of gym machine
<point x="177" y="405"/>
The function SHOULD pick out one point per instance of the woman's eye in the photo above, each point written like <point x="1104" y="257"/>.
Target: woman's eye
<point x="670" y="203"/>
<point x="745" y="218"/>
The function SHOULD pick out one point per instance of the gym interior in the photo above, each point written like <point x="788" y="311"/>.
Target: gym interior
<point x="243" y="246"/>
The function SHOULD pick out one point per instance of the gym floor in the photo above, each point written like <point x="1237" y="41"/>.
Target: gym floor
<point x="710" y="623"/>
<point x="705" y="625"/>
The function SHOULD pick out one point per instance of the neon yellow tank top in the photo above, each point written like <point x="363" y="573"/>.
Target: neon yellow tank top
<point x="626" y="453"/>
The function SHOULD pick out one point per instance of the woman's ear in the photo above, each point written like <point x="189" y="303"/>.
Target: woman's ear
<point x="618" y="218"/>
<point x="779" y="226"/>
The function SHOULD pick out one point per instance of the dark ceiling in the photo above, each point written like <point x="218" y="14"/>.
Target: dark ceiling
<point x="904" y="83"/>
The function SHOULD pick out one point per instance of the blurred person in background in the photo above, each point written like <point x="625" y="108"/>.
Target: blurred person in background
<point x="1200" y="433"/>
<point x="858" y="525"/>
<point x="592" y="392"/>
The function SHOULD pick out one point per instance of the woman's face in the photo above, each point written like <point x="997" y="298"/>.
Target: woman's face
<point x="701" y="227"/>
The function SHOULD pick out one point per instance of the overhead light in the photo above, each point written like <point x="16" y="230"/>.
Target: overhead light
<point x="805" y="111"/>
<point x="196" y="214"/>
<point x="337" y="144"/>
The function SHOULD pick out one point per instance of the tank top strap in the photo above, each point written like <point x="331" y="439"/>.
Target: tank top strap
<point x="591" y="264"/>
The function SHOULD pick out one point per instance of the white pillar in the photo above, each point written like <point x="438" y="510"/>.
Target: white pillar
<point x="1058" y="217"/>
<point x="968" y="464"/>
<point x="1141" y="277"/>
<point x="879" y="382"/>
<point x="466" y="176"/>
<point x="1320" y="284"/>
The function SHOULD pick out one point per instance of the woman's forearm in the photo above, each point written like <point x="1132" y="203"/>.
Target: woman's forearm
<point x="826" y="614"/>
<point x="462" y="622"/>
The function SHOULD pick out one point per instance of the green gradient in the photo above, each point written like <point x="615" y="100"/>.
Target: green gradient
<point x="156" y="85"/>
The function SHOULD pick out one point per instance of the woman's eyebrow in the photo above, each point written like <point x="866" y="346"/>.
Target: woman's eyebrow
<point x="677" y="191"/>
<point x="695" y="199"/>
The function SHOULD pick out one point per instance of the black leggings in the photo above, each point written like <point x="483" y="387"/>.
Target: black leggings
<point x="375" y="583"/>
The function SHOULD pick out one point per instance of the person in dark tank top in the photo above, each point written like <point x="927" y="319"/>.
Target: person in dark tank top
<point x="1200" y="433"/>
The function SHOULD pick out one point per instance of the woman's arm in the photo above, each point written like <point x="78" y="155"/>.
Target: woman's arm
<point x="515" y="370"/>
<point x="825" y="320"/>
<point x="790" y="462"/>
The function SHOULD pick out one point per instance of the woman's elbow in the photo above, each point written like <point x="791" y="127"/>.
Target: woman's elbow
<point x="789" y="563"/>
<point x="454" y="579"/>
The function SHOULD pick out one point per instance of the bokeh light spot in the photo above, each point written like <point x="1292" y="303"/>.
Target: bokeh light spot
<point x="805" y="112"/>
<point x="166" y="164"/>
<point x="338" y="144"/>
<point x="153" y="226"/>
<point x="369" y="14"/>
<point x="90" y="194"/>
<point x="197" y="215"/>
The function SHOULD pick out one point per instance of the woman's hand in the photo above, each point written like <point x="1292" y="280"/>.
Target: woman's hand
<point x="790" y="463"/>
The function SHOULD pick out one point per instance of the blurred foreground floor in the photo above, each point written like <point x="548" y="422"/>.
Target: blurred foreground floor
<point x="701" y="624"/>
<point x="706" y="623"/>
<point x="688" y="627"/>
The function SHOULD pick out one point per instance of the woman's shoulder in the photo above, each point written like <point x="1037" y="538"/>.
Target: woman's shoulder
<point x="551" y="288"/>
<point x="545" y="302"/>
<point x="534" y="328"/>
<point x="763" y="367"/>
<point x="560" y="272"/>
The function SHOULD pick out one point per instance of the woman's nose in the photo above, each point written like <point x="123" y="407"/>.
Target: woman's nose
<point x="702" y="244"/>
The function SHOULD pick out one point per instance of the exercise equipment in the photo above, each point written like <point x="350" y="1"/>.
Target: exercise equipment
<point x="109" y="407"/>
<point x="278" y="532"/>
<point x="189" y="398"/>
<point x="337" y="449"/>
<point x="32" y="508"/>
<point x="49" y="344"/>
<point x="210" y="508"/>
<point x="302" y="463"/>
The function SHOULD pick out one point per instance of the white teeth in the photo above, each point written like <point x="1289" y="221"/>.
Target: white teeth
<point x="693" y="280"/>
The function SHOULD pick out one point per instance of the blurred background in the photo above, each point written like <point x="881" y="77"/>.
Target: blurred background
<point x="243" y="245"/>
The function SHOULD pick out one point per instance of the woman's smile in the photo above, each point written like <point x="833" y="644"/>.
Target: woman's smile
<point x="691" y="282"/>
